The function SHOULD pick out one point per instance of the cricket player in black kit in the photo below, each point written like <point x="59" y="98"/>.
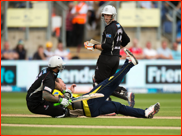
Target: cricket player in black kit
<point x="39" y="96"/>
<point x="113" y="39"/>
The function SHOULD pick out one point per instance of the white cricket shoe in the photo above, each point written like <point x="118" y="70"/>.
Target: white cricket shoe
<point x="131" y="57"/>
<point x="152" y="110"/>
<point x="131" y="97"/>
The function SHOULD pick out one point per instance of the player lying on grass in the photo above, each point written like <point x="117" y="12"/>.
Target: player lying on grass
<point x="75" y="108"/>
<point x="99" y="106"/>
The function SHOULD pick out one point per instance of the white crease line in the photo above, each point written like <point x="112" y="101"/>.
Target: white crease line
<point x="80" y="126"/>
<point x="122" y="117"/>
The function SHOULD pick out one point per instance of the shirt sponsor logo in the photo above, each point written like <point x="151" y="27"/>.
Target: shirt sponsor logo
<point x="56" y="93"/>
<point x="48" y="89"/>
<point x="117" y="48"/>
<point x="108" y="35"/>
<point x="44" y="71"/>
<point x="118" y="25"/>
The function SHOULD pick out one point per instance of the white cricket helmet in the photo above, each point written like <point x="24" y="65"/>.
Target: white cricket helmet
<point x="56" y="61"/>
<point x="109" y="10"/>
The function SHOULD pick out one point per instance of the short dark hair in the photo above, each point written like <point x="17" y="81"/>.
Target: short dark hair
<point x="57" y="79"/>
<point x="59" y="40"/>
<point x="40" y="46"/>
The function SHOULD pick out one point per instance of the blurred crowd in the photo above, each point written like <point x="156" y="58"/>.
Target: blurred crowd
<point x="76" y="17"/>
<point x="148" y="52"/>
<point x="20" y="53"/>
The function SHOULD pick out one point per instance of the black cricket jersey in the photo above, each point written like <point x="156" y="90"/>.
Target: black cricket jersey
<point x="112" y="37"/>
<point x="45" y="80"/>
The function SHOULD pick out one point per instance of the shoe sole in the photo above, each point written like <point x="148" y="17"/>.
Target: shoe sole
<point x="129" y="53"/>
<point x="156" y="110"/>
<point x="132" y="101"/>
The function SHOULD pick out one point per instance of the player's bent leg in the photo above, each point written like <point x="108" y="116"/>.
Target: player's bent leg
<point x="47" y="108"/>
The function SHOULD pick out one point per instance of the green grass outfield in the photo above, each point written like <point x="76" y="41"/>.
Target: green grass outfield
<point x="14" y="103"/>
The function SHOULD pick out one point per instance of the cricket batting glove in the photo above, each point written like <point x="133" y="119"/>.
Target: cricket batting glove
<point x="67" y="93"/>
<point x="65" y="102"/>
<point x="89" y="46"/>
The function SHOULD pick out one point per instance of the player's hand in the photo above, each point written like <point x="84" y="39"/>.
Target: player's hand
<point x="72" y="88"/>
<point x="67" y="93"/>
<point x="85" y="44"/>
<point x="89" y="46"/>
<point x="65" y="102"/>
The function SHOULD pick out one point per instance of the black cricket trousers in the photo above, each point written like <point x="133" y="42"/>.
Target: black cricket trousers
<point x="106" y="67"/>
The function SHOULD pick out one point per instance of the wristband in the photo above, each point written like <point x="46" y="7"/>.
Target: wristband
<point x="60" y="100"/>
<point x="64" y="91"/>
<point x="94" y="46"/>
